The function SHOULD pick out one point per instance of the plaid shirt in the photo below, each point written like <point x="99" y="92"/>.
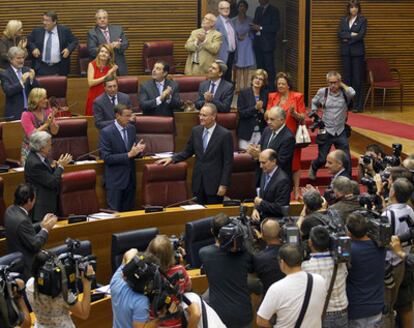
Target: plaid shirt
<point x="323" y="264"/>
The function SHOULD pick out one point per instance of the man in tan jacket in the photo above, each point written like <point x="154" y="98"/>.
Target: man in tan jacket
<point x="203" y="46"/>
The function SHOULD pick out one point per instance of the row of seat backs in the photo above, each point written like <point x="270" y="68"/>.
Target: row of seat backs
<point x="151" y="52"/>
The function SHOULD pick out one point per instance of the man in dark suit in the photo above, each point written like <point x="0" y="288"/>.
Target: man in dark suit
<point x="278" y="137"/>
<point x="103" y="105"/>
<point x="118" y="150"/>
<point x="20" y="234"/>
<point x="216" y="90"/>
<point x="266" y="24"/>
<point x="51" y="46"/>
<point x="159" y="96"/>
<point x="114" y="35"/>
<point x="275" y="187"/>
<point x="43" y="175"/>
<point x="17" y="81"/>
<point x="213" y="147"/>
<point x="225" y="26"/>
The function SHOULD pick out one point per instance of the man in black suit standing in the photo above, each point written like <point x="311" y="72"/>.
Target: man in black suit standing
<point x="51" y="46"/>
<point x="275" y="187"/>
<point x="118" y="150"/>
<point x="103" y="105"/>
<point x="17" y="81"/>
<point x="43" y="175"/>
<point x="107" y="33"/>
<point x="278" y="137"/>
<point x="216" y="89"/>
<point x="20" y="234"/>
<point x="213" y="147"/>
<point x="266" y="24"/>
<point x="159" y="96"/>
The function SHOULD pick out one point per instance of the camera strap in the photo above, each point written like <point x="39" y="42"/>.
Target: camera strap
<point x="331" y="284"/>
<point x="325" y="98"/>
<point x="392" y="221"/>
<point x="203" y="313"/>
<point x="305" y="304"/>
<point x="7" y="307"/>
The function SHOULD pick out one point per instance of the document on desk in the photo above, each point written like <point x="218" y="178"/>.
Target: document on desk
<point x="166" y="154"/>
<point x="104" y="289"/>
<point x="193" y="207"/>
<point x="85" y="162"/>
<point x="101" y="216"/>
<point x="18" y="169"/>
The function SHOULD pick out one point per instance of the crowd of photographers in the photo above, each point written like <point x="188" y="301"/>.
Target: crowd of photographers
<point x="345" y="262"/>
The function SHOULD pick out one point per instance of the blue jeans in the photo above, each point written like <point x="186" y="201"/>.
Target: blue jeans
<point x="374" y="321"/>
<point x="340" y="142"/>
<point x="336" y="319"/>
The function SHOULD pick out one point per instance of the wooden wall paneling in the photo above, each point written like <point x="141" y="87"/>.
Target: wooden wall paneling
<point x="389" y="35"/>
<point x="144" y="20"/>
<point x="292" y="45"/>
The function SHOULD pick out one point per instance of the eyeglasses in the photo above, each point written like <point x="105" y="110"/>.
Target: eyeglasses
<point x="259" y="78"/>
<point x="333" y="82"/>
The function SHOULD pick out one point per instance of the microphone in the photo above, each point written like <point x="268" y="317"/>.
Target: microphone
<point x="182" y="202"/>
<point x="152" y="209"/>
<point x="87" y="154"/>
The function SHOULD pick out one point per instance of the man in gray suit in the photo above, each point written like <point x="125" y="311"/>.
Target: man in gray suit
<point x="225" y="26"/>
<point x="216" y="89"/>
<point x="20" y="233"/>
<point x="114" y="35"/>
<point x="103" y="106"/>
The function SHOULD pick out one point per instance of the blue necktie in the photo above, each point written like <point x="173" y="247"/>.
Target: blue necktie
<point x="212" y="87"/>
<point x="125" y="137"/>
<point x="267" y="179"/>
<point x="48" y="50"/>
<point x="20" y="74"/>
<point x="205" y="139"/>
<point x="160" y="88"/>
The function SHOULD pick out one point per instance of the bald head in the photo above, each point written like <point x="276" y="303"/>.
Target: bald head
<point x="268" y="160"/>
<point x="336" y="161"/>
<point x="270" y="230"/>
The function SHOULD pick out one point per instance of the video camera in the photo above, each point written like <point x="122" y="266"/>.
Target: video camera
<point x="10" y="314"/>
<point x="408" y="236"/>
<point x="289" y="231"/>
<point x="317" y="122"/>
<point x="176" y="243"/>
<point x="61" y="273"/>
<point x="237" y="235"/>
<point x="379" y="228"/>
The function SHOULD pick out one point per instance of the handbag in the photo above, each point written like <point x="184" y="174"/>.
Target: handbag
<point x="302" y="137"/>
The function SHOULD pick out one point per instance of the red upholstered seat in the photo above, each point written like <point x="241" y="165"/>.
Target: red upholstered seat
<point x="164" y="185"/>
<point x="188" y="86"/>
<point x="380" y="77"/>
<point x="157" y="132"/>
<point x="72" y="138"/>
<point x="56" y="86"/>
<point x="243" y="177"/>
<point x="77" y="193"/>
<point x="158" y="50"/>
<point x="129" y="85"/>
<point x="2" y="204"/>
<point x="229" y="121"/>
<point x="83" y="58"/>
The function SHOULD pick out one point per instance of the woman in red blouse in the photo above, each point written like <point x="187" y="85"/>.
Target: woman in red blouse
<point x="294" y="105"/>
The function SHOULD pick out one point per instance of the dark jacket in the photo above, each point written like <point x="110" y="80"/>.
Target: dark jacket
<point x="212" y="168"/>
<point x="352" y="46"/>
<point x="222" y="97"/>
<point x="46" y="180"/>
<point x="148" y="92"/>
<point x="103" y="108"/>
<point x="270" y="23"/>
<point x="14" y="92"/>
<point x="249" y="116"/>
<point x="66" y="40"/>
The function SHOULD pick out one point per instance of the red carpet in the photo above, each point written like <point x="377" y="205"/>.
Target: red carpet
<point x="397" y="129"/>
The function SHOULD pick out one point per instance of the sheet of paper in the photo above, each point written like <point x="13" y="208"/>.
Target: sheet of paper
<point x="163" y="155"/>
<point x="192" y="207"/>
<point x="104" y="289"/>
<point x="18" y="169"/>
<point x="101" y="216"/>
<point x="85" y="162"/>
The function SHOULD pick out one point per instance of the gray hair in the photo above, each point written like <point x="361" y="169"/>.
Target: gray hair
<point x="99" y="11"/>
<point x="343" y="185"/>
<point x="280" y="112"/>
<point x="313" y="200"/>
<point x="222" y="65"/>
<point x="15" y="51"/>
<point x="39" y="140"/>
<point x="335" y="74"/>
<point x="212" y="107"/>
<point x="340" y="156"/>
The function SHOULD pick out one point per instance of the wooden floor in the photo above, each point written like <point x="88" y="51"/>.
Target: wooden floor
<point x="363" y="137"/>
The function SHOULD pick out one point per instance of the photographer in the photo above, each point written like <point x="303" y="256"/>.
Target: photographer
<point x="265" y="262"/>
<point x="371" y="162"/>
<point x="130" y="308"/>
<point x="227" y="269"/>
<point x="398" y="214"/>
<point x="162" y="248"/>
<point x="314" y="206"/>
<point x="286" y="298"/>
<point x="322" y="263"/>
<point x="334" y="101"/>
<point x="345" y="200"/>
<point x="365" y="282"/>
<point x="51" y="311"/>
